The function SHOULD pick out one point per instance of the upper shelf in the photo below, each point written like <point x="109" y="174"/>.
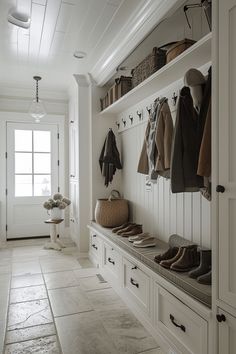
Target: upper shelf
<point x="195" y="56"/>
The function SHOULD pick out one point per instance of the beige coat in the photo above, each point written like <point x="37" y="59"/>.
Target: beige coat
<point x="163" y="143"/>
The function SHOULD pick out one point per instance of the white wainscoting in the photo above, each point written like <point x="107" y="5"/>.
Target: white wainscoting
<point x="161" y="212"/>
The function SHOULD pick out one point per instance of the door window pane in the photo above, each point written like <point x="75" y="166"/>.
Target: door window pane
<point x="23" y="185"/>
<point x="42" y="185"/>
<point x="42" y="141"/>
<point x="42" y="163"/>
<point x="23" y="162"/>
<point x="23" y="140"/>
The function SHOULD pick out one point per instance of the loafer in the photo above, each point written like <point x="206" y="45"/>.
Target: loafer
<point x="134" y="231"/>
<point x="138" y="237"/>
<point x="118" y="228"/>
<point x="145" y="242"/>
<point x="128" y="228"/>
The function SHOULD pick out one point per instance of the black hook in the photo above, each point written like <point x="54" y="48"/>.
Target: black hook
<point x="174" y="99"/>
<point x="118" y="125"/>
<point x="131" y="118"/>
<point x="124" y="122"/>
<point x="148" y="109"/>
<point x="139" y="115"/>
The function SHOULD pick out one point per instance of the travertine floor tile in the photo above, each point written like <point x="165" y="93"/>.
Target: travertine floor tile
<point x="85" y="263"/>
<point x="105" y="299"/>
<point x="45" y="345"/>
<point x="60" y="279"/>
<point x="25" y="268"/>
<point x="66" y="301"/>
<point x="31" y="313"/>
<point x="93" y="283"/>
<point x="84" y="333"/>
<point x="85" y="272"/>
<point x="19" y="335"/>
<point x="27" y="294"/>
<point x="57" y="265"/>
<point x="26" y="280"/>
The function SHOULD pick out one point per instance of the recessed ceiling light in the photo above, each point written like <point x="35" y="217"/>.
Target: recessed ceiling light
<point x="79" y="54"/>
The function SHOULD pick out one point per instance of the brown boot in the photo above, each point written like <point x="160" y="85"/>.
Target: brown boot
<point x="167" y="263"/>
<point x="205" y="278"/>
<point x="170" y="253"/>
<point x="188" y="260"/>
<point x="118" y="228"/>
<point x="127" y="228"/>
<point x="134" y="231"/>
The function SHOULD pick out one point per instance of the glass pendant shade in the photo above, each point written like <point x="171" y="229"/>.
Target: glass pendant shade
<point x="37" y="109"/>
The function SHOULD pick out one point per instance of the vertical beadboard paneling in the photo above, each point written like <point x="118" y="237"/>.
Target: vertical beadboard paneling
<point x="161" y="212"/>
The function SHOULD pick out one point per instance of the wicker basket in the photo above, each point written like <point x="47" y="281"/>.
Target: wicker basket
<point x="177" y="48"/>
<point x="123" y="85"/>
<point x="112" y="212"/>
<point x="154" y="61"/>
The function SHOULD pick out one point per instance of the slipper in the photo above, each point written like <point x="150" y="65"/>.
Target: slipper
<point x="146" y="242"/>
<point x="138" y="237"/>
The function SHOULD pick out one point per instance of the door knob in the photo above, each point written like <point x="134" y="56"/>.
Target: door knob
<point x="220" y="189"/>
<point x="221" y="318"/>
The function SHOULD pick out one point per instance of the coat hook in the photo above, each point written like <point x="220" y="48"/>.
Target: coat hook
<point x="124" y="122"/>
<point x="174" y="98"/>
<point x="131" y="118"/>
<point x="139" y="115"/>
<point x="148" y="109"/>
<point x="118" y="125"/>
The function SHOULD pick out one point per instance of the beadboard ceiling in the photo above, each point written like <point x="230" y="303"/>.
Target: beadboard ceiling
<point x="58" y="28"/>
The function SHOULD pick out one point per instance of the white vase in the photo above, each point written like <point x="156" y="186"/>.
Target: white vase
<point x="56" y="213"/>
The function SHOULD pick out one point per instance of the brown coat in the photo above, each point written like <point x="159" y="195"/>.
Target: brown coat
<point x="163" y="143"/>
<point x="204" y="161"/>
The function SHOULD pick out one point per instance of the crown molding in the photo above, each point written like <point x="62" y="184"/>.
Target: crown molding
<point x="143" y="20"/>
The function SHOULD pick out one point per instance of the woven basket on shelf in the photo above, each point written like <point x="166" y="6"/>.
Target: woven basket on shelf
<point x="113" y="211"/>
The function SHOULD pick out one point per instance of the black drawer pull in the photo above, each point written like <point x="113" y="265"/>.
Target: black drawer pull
<point x="111" y="261"/>
<point x="176" y="324"/>
<point x="94" y="235"/>
<point x="134" y="283"/>
<point x="135" y="267"/>
<point x="94" y="246"/>
<point x="220" y="189"/>
<point x="221" y="318"/>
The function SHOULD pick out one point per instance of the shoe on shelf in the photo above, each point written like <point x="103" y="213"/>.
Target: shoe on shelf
<point x="170" y="253"/>
<point x="138" y="237"/>
<point x="167" y="263"/>
<point x="205" y="278"/>
<point x="145" y="242"/>
<point x="136" y="230"/>
<point x="127" y="228"/>
<point x="189" y="259"/>
<point x="115" y="229"/>
<point x="205" y="264"/>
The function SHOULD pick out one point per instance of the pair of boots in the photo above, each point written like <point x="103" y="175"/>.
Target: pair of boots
<point x="180" y="259"/>
<point x="128" y="229"/>
<point x="203" y="272"/>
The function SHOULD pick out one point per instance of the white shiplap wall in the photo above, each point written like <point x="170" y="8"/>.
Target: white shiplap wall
<point x="161" y="212"/>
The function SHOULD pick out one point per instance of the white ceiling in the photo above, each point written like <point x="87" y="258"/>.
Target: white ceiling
<point x="58" y="28"/>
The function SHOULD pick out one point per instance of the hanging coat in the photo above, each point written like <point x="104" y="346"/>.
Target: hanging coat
<point x="184" y="161"/>
<point x="156" y="151"/>
<point x="109" y="159"/>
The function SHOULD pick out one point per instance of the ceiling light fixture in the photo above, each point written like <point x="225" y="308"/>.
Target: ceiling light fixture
<point x="79" y="54"/>
<point x="18" y="18"/>
<point x="37" y="110"/>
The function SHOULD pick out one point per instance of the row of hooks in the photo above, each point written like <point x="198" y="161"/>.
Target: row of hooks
<point x="140" y="113"/>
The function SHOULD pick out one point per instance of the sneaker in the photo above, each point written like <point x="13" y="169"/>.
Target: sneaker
<point x="145" y="242"/>
<point x="138" y="237"/>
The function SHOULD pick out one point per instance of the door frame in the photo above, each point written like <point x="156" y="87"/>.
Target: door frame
<point x="14" y="117"/>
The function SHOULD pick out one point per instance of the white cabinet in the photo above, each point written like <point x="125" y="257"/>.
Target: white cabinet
<point x="227" y="333"/>
<point x="227" y="149"/>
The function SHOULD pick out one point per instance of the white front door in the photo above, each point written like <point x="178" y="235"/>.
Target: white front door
<point x="32" y="177"/>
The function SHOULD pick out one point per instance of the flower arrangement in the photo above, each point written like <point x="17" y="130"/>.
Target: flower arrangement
<point x="57" y="201"/>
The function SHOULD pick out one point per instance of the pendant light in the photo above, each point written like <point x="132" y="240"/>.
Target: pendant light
<point x="37" y="110"/>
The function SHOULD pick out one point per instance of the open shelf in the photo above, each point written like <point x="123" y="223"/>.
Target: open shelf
<point x="194" y="57"/>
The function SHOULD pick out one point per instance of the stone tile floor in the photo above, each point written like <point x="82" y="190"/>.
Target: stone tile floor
<point x="53" y="302"/>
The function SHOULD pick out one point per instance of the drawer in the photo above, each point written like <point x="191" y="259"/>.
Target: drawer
<point x="112" y="259"/>
<point x="184" y="328"/>
<point x="95" y="247"/>
<point x="137" y="284"/>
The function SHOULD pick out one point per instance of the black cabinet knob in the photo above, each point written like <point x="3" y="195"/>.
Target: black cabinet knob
<point x="221" y="318"/>
<point x="220" y="189"/>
